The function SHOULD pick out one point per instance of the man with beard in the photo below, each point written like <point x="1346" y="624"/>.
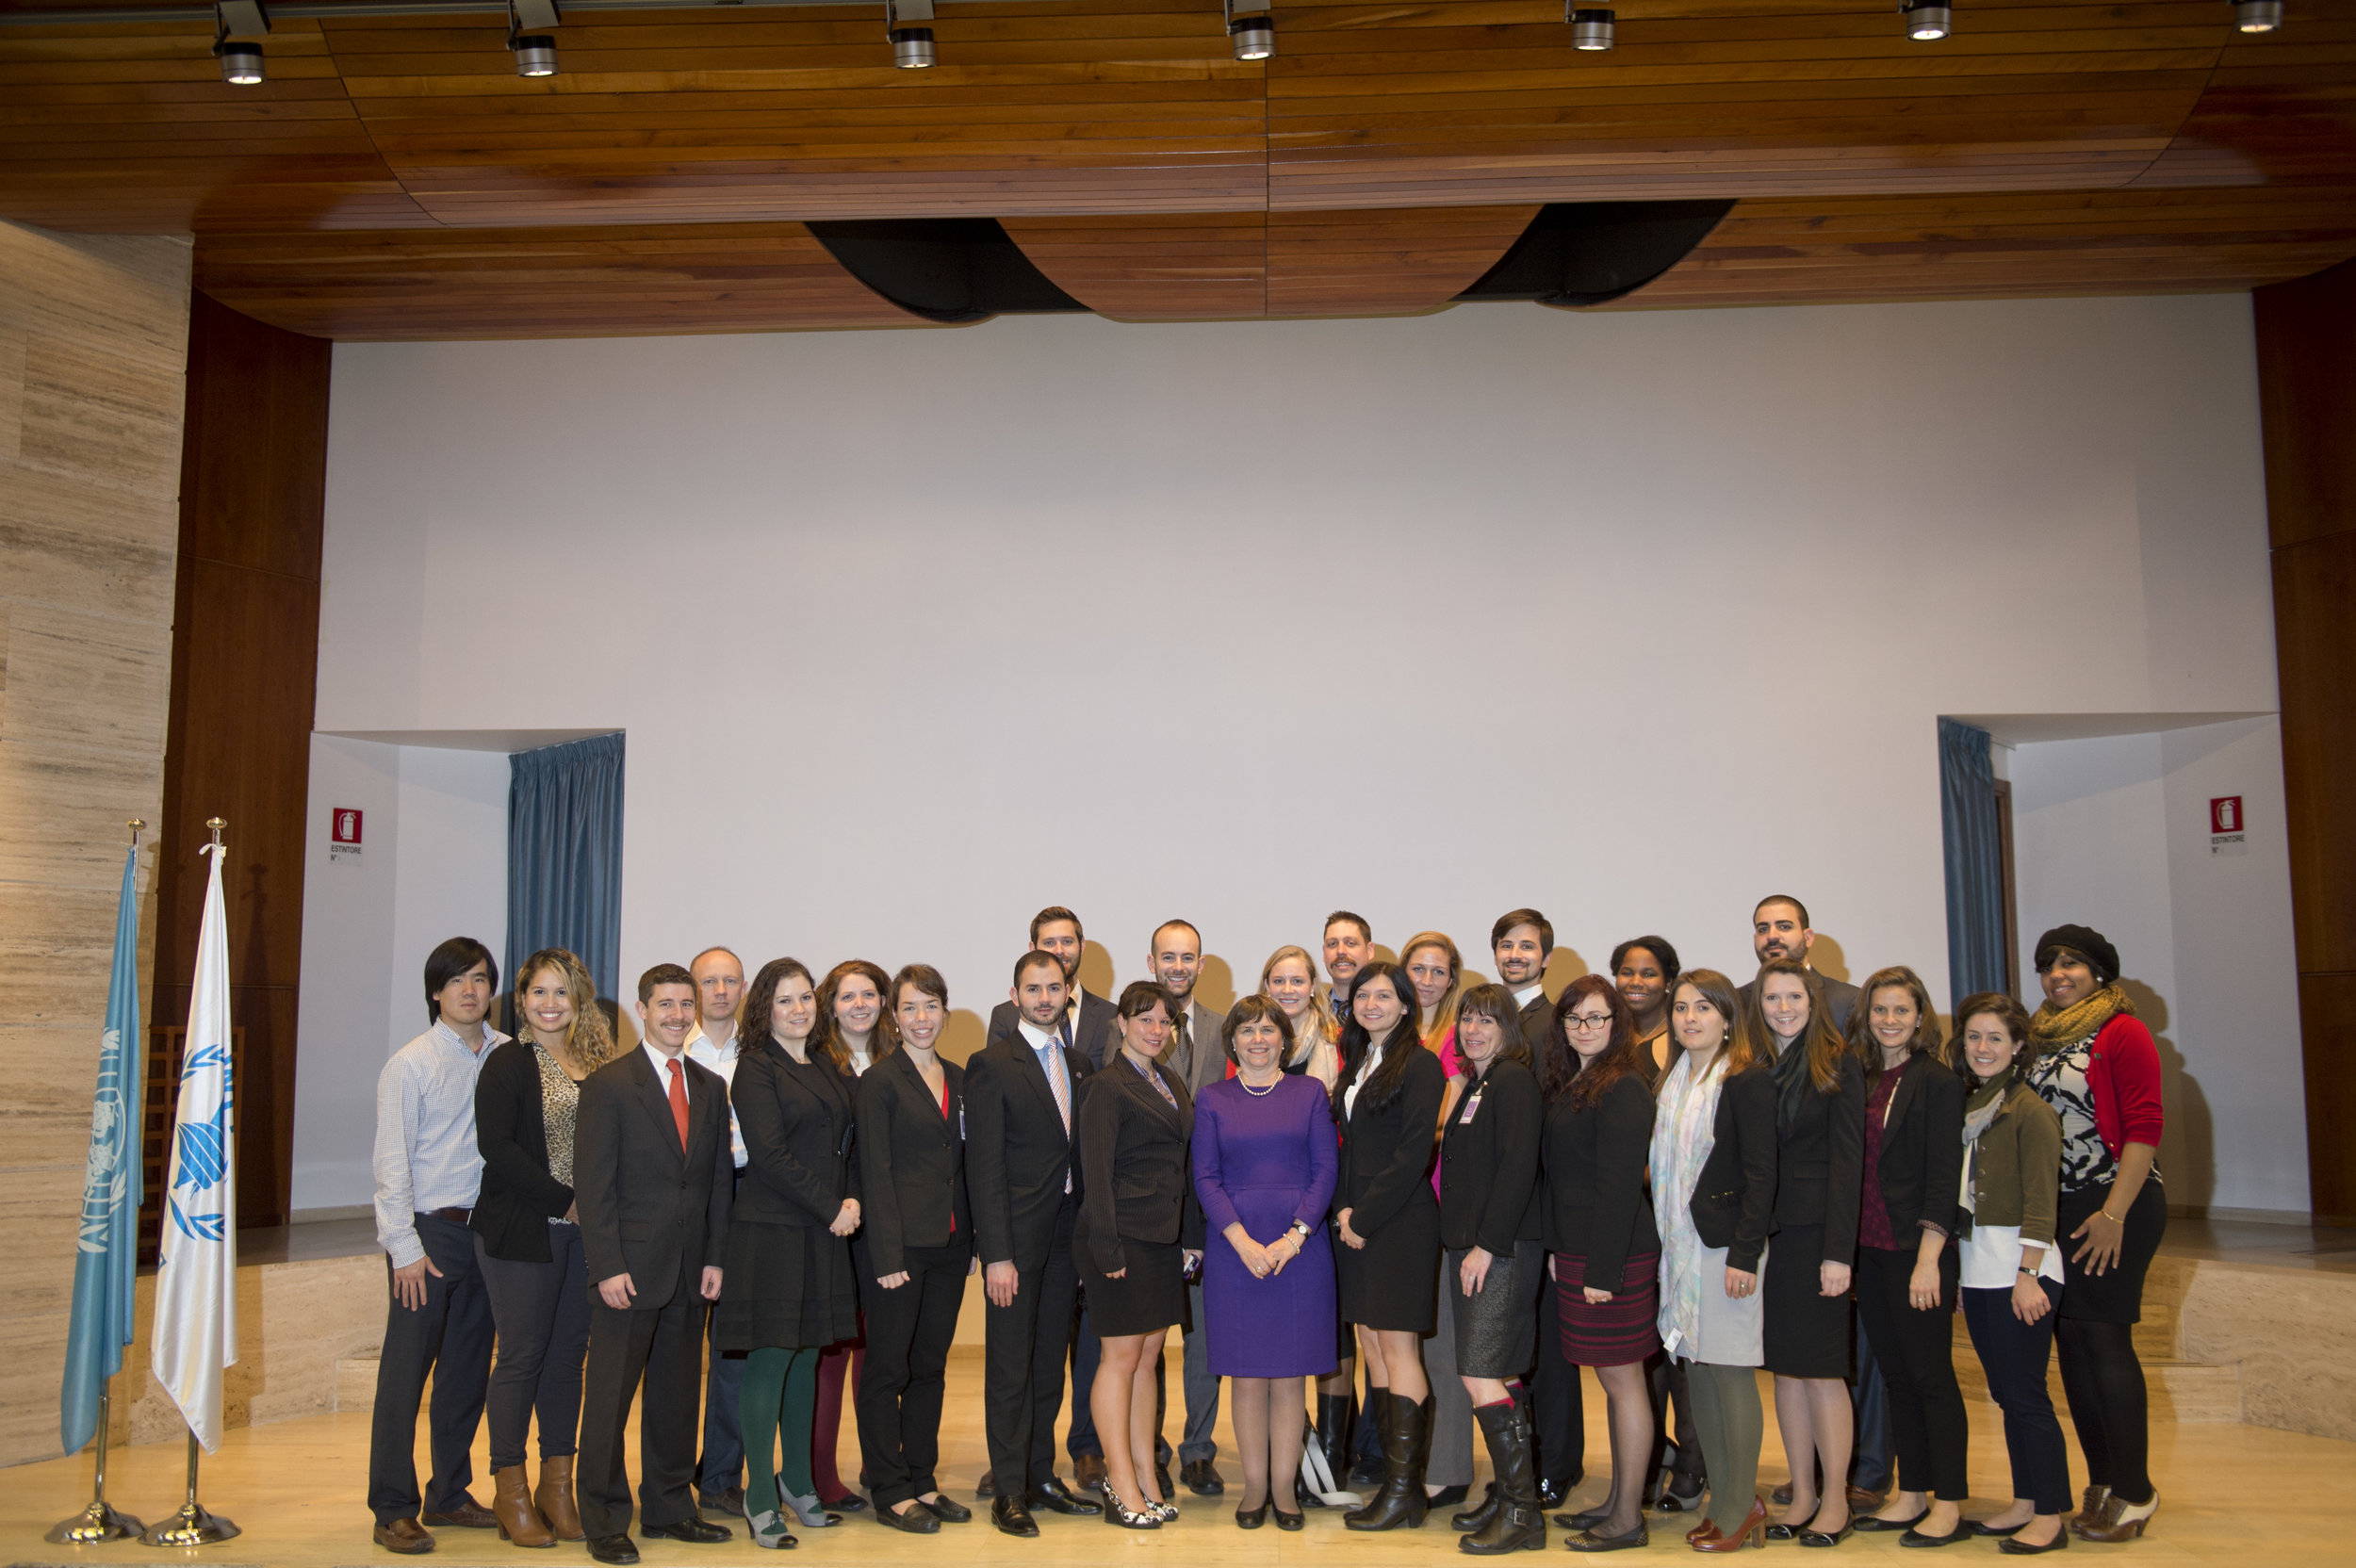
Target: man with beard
<point x="1780" y="929"/>
<point x="1197" y="1052"/>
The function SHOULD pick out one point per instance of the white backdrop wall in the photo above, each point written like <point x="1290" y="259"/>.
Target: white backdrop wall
<point x="1631" y="616"/>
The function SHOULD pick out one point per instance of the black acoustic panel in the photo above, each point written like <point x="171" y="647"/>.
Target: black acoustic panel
<point x="948" y="270"/>
<point x="1593" y="253"/>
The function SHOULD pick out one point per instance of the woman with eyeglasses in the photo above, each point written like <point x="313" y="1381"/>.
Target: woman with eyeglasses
<point x="1600" y="1228"/>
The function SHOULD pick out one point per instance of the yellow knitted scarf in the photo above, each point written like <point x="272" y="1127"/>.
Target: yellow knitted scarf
<point x="2058" y="1026"/>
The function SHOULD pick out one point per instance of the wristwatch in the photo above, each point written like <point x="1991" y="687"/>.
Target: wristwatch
<point x="1298" y="1231"/>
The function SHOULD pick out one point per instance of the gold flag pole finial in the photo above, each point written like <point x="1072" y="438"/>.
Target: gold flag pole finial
<point x="214" y="825"/>
<point x="138" y="825"/>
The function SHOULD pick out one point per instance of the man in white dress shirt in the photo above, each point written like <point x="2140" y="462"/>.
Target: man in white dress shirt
<point x="719" y="990"/>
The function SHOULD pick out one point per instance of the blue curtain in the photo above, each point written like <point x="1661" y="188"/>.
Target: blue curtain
<point x="565" y="854"/>
<point x="1975" y="866"/>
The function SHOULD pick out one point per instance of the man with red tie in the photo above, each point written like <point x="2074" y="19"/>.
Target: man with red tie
<point x="653" y="1180"/>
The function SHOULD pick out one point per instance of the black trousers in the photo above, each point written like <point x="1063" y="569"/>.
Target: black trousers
<point x="542" y="1310"/>
<point x="1559" y="1422"/>
<point x="2015" y="1355"/>
<point x="722" y="1463"/>
<point x="450" y="1337"/>
<point x="1916" y="1352"/>
<point x="1022" y="1366"/>
<point x="908" y="1331"/>
<point x="662" y="1347"/>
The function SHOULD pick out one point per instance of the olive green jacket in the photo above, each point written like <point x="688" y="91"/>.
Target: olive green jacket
<point x="2015" y="1168"/>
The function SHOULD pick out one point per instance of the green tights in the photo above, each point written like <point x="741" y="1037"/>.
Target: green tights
<point x="781" y="1396"/>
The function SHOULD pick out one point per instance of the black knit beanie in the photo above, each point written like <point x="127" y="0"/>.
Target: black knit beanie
<point x="2086" y="942"/>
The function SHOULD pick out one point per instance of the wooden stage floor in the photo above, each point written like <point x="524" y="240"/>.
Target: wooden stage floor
<point x="2232" y="1494"/>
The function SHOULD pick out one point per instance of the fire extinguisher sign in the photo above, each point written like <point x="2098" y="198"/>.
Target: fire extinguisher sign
<point x="2228" y="832"/>
<point x="343" y="834"/>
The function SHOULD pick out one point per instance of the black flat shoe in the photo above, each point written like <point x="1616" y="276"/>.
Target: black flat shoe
<point x="1588" y="1541"/>
<point x="1824" y="1538"/>
<point x="701" y="1531"/>
<point x="1916" y="1538"/>
<point x="1448" y="1497"/>
<point x="1782" y="1533"/>
<point x="1285" y="1521"/>
<point x="946" y="1509"/>
<point x="1251" y="1518"/>
<point x="1575" y="1523"/>
<point x="1867" y="1524"/>
<point x="617" y="1549"/>
<point x="987" y="1488"/>
<point x="1981" y="1527"/>
<point x="2012" y="1543"/>
<point x="917" y="1520"/>
<point x="850" y="1502"/>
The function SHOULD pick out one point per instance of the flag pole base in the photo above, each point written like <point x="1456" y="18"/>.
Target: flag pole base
<point x="94" y="1526"/>
<point x="193" y="1526"/>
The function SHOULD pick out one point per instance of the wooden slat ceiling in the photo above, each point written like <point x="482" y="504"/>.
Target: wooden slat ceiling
<point x="389" y="177"/>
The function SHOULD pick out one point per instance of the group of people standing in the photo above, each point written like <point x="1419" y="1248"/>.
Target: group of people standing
<point x="1468" y="1190"/>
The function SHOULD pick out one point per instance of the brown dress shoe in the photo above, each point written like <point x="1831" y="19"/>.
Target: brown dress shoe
<point x="1865" y="1500"/>
<point x="468" y="1515"/>
<point x="406" y="1536"/>
<point x="1782" y="1496"/>
<point x="1088" y="1472"/>
<point x="511" y="1503"/>
<point x="2089" y="1506"/>
<point x="554" y="1498"/>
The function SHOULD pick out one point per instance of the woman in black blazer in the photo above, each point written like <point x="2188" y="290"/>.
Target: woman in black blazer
<point x="1489" y="1230"/>
<point x="1713" y="1173"/>
<point x="1819" y="1127"/>
<point x="1907" y="1273"/>
<point x="1138" y="1236"/>
<point x="1600" y="1227"/>
<point x="915" y="1248"/>
<point x="1388" y="1219"/>
<point x="528" y="1238"/>
<point x="787" y="1287"/>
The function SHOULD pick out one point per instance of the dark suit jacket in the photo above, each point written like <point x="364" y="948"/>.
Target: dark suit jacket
<point x="1133" y="1160"/>
<point x="1820" y="1169"/>
<point x="1598" y="1208"/>
<point x="1538" y="1029"/>
<point x="518" y="1196"/>
<point x="800" y="1159"/>
<point x="1200" y="1059"/>
<point x="1017" y="1155"/>
<point x="648" y="1209"/>
<point x="1387" y="1151"/>
<point x="911" y="1161"/>
<point x="1489" y="1166"/>
<point x="1734" y="1200"/>
<point x="1840" y="998"/>
<point x="1096" y="1037"/>
<point x="1922" y="1159"/>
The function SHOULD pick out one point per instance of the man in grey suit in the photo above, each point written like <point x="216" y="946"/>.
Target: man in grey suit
<point x="1197" y="1052"/>
<point x="1780" y="929"/>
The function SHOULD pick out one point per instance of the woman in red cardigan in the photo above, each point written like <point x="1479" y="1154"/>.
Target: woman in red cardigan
<point x="2099" y="1071"/>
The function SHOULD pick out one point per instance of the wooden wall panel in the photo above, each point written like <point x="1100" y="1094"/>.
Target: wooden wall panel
<point x="1154" y="268"/>
<point x="1387" y="262"/>
<point x="2307" y="386"/>
<point x="2280" y="107"/>
<point x="541" y="283"/>
<point x="245" y="656"/>
<point x="93" y="330"/>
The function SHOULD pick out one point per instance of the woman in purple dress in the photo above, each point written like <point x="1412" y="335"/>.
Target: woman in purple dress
<point x="1265" y="1164"/>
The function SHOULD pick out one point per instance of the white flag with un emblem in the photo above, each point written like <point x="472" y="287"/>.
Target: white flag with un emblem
<point x="196" y="1284"/>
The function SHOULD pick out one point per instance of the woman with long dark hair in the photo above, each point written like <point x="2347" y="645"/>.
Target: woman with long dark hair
<point x="528" y="1238"/>
<point x="1139" y="1232"/>
<point x="1906" y="1270"/>
<point x="1600" y="1227"/>
<point x="2098" y="1068"/>
<point x="788" y="1287"/>
<point x="2012" y="1275"/>
<point x="1819" y="1129"/>
<point x="915" y="1249"/>
<point x="850" y="1033"/>
<point x="1713" y="1171"/>
<point x="1389" y="1219"/>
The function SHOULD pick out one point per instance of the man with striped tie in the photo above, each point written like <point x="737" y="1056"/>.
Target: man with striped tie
<point x="1024" y="1185"/>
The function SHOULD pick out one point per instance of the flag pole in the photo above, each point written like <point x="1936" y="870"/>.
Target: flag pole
<point x="101" y="1522"/>
<point x="194" y="1525"/>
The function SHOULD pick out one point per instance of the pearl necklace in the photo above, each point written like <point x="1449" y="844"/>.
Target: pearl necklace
<point x="1260" y="1094"/>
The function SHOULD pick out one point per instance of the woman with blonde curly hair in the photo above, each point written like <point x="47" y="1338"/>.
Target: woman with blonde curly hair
<point x="528" y="1238"/>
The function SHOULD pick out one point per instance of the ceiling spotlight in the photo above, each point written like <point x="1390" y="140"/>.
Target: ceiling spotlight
<point x="1590" y="29"/>
<point x="2257" y="16"/>
<point x="1927" y="20"/>
<point x="1254" y="37"/>
<point x="912" y="47"/>
<point x="535" y="54"/>
<point x="240" y="63"/>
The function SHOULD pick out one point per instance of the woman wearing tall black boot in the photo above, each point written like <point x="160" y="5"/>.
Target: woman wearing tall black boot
<point x="1389" y="1219"/>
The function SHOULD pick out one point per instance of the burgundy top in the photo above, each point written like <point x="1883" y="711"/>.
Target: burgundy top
<point x="1872" y="1218"/>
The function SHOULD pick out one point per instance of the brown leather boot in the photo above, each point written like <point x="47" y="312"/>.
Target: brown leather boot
<point x="554" y="1498"/>
<point x="510" y="1499"/>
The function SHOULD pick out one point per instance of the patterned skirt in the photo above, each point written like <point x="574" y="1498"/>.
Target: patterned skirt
<point x="1618" y="1331"/>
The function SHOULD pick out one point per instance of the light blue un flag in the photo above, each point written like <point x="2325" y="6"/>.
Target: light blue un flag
<point x="108" y="1246"/>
